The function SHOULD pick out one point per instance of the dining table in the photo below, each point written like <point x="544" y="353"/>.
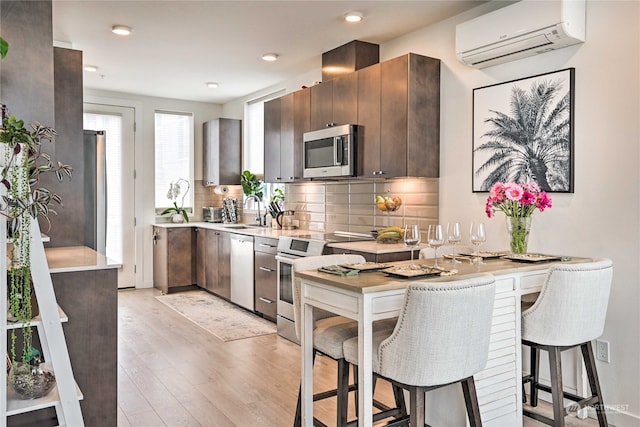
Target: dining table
<point x="378" y="291"/>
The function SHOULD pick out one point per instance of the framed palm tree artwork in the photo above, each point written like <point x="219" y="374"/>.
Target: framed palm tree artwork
<point x="523" y="132"/>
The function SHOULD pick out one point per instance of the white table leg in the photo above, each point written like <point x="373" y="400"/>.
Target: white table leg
<point x="365" y="368"/>
<point x="307" y="365"/>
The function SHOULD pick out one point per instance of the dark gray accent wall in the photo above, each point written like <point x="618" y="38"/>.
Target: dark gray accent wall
<point x="27" y="71"/>
<point x="67" y="228"/>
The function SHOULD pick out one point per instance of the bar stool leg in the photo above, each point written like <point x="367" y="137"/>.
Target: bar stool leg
<point x="535" y="372"/>
<point x="471" y="401"/>
<point x="557" y="395"/>
<point x="417" y="406"/>
<point x="594" y="383"/>
<point x="343" y="392"/>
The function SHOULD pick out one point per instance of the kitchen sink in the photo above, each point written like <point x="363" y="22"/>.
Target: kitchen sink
<point x="242" y="226"/>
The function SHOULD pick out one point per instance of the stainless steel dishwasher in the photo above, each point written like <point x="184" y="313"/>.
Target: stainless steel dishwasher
<point x="242" y="289"/>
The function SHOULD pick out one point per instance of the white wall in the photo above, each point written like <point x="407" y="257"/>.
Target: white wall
<point x="602" y="217"/>
<point x="145" y="164"/>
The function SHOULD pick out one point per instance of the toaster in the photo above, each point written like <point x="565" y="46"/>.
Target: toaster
<point x="211" y="214"/>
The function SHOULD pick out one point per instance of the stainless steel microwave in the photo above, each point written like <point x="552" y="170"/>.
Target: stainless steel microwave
<point x="330" y="152"/>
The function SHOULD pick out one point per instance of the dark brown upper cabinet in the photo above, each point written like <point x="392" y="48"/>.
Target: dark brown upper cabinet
<point x="399" y="115"/>
<point x="334" y="102"/>
<point x="395" y="103"/>
<point x="285" y="120"/>
<point x="222" y="161"/>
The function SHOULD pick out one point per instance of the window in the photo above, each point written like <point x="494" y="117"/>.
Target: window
<point x="173" y="156"/>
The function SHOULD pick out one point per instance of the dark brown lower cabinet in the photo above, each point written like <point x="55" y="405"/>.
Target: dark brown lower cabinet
<point x="173" y="263"/>
<point x="266" y="277"/>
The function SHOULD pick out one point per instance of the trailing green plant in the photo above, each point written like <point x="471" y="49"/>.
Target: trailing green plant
<point x="251" y="185"/>
<point x="25" y="200"/>
<point x="4" y="48"/>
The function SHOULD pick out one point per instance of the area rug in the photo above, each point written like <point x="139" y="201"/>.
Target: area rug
<point x="222" y="318"/>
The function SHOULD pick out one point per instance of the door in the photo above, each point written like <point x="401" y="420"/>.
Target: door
<point x="118" y="124"/>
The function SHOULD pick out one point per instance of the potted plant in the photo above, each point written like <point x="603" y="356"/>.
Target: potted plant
<point x="22" y="164"/>
<point x="251" y="185"/>
<point x="178" y="214"/>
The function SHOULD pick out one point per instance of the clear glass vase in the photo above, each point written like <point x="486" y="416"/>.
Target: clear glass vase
<point x="519" y="228"/>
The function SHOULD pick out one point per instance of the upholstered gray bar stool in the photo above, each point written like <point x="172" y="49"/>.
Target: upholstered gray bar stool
<point x="330" y="332"/>
<point x="441" y="338"/>
<point x="570" y="312"/>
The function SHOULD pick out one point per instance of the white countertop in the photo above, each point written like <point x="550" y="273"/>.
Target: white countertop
<point x="250" y="230"/>
<point x="77" y="258"/>
<point x="247" y="229"/>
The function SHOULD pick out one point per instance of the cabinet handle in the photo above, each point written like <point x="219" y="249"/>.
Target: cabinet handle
<point x="278" y="178"/>
<point x="270" y="270"/>
<point x="155" y="238"/>
<point x="264" y="245"/>
<point x="267" y="300"/>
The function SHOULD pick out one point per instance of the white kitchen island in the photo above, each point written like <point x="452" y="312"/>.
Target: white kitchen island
<point x="373" y="296"/>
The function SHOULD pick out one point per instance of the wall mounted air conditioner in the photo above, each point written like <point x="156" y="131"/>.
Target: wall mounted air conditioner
<point x="522" y="29"/>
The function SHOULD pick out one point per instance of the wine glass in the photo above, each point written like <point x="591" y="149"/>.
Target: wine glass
<point x="478" y="237"/>
<point x="412" y="239"/>
<point x="435" y="239"/>
<point x="454" y="236"/>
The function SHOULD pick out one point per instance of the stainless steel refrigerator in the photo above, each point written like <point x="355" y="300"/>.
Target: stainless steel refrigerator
<point x="95" y="189"/>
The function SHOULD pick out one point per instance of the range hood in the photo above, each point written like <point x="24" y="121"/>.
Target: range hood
<point x="348" y="58"/>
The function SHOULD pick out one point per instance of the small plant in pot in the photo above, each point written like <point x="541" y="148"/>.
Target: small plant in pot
<point x="22" y="164"/>
<point x="178" y="214"/>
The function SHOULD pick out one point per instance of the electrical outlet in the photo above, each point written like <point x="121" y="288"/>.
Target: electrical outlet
<point x="602" y="350"/>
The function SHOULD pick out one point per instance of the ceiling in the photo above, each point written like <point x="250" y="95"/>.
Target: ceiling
<point x="177" y="46"/>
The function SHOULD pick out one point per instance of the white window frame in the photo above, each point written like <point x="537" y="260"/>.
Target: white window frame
<point x="164" y="186"/>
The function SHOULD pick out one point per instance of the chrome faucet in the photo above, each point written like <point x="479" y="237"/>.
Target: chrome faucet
<point x="257" y="200"/>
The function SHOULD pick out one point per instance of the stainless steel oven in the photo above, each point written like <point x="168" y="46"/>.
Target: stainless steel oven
<point x="289" y="249"/>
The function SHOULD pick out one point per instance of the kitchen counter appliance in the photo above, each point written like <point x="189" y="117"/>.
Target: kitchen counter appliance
<point x="211" y="214"/>
<point x="330" y="152"/>
<point x="242" y="290"/>
<point x="293" y="247"/>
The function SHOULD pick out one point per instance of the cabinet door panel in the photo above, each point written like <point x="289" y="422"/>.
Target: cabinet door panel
<point x="423" y="138"/>
<point x="179" y="260"/>
<point x="272" y="123"/>
<point x="393" y="117"/>
<point x="287" y="155"/>
<point x="369" y="121"/>
<point x="266" y="292"/>
<point x="201" y="257"/>
<point x="345" y="99"/>
<point x="224" y="265"/>
<point x="211" y="262"/>
<point x="321" y="105"/>
<point x="301" y="124"/>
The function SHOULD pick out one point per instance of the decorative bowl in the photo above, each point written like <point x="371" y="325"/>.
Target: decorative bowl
<point x="29" y="381"/>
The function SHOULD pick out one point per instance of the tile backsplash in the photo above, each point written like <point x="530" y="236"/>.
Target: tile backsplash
<point x="343" y="205"/>
<point x="350" y="205"/>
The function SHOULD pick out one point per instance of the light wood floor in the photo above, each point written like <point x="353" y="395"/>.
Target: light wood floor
<point x="173" y="373"/>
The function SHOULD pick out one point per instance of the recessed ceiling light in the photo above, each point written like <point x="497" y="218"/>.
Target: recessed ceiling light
<point x="91" y="68"/>
<point x="212" y="85"/>
<point x="121" y="30"/>
<point x="270" y="57"/>
<point x="353" y="17"/>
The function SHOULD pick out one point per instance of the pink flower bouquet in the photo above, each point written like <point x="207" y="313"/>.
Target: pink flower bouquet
<point x="516" y="200"/>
